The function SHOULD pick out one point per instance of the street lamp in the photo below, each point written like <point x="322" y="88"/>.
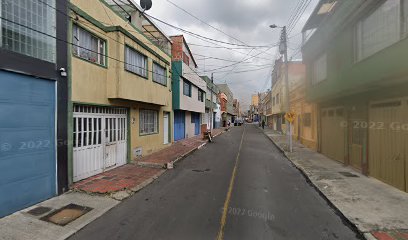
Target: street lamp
<point x="283" y="49"/>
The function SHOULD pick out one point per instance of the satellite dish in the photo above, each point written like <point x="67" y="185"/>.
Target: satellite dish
<point x="146" y="4"/>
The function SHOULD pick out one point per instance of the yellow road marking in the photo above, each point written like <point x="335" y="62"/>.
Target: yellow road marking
<point x="223" y="221"/>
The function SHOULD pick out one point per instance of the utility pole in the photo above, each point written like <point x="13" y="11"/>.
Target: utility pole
<point x="211" y="101"/>
<point x="284" y="50"/>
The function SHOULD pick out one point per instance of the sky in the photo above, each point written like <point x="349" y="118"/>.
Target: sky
<point x="242" y="22"/>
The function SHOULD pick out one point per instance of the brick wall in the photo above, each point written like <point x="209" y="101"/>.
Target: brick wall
<point x="177" y="48"/>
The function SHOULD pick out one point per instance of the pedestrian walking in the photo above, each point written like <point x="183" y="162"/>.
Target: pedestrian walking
<point x="263" y="124"/>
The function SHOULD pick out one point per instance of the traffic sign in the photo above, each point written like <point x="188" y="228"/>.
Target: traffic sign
<point x="290" y="117"/>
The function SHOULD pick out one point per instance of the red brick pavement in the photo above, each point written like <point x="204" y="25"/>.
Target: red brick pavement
<point x="391" y="235"/>
<point x="177" y="150"/>
<point x="118" y="179"/>
<point x="131" y="175"/>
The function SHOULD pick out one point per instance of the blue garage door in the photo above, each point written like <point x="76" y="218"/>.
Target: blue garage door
<point x="179" y="125"/>
<point x="27" y="141"/>
<point x="196" y="120"/>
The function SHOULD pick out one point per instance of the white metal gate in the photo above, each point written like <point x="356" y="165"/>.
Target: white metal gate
<point x="166" y="128"/>
<point x="99" y="140"/>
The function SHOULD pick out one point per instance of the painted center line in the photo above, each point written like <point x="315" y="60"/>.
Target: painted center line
<point x="223" y="221"/>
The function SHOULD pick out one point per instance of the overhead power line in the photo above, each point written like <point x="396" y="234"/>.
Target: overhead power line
<point x="73" y="44"/>
<point x="207" y="38"/>
<point x="202" y="21"/>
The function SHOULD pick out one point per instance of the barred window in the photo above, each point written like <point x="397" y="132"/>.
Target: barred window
<point x="29" y="28"/>
<point x="307" y="119"/>
<point x="159" y="74"/>
<point x="200" y="95"/>
<point x="149" y="122"/>
<point x="187" y="88"/>
<point x="135" y="62"/>
<point x="88" y="46"/>
<point x="320" y="69"/>
<point x="379" y="30"/>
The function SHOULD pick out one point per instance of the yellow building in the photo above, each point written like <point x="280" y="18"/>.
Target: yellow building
<point x="304" y="128"/>
<point x="254" y="99"/>
<point x="120" y="87"/>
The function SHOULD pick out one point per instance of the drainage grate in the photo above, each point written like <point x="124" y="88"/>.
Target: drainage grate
<point x="66" y="214"/>
<point x="39" y="211"/>
<point x="199" y="170"/>
<point x="348" y="174"/>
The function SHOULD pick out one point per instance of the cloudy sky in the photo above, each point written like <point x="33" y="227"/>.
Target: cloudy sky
<point x="244" y="20"/>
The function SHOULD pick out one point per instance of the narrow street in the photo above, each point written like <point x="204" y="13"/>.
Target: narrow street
<point x="269" y="198"/>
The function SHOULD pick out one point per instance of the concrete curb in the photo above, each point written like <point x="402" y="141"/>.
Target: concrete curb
<point x="194" y="149"/>
<point x="151" y="165"/>
<point x="124" y="194"/>
<point x="347" y="221"/>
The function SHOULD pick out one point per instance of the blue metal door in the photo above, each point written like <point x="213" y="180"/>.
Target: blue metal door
<point x="196" y="117"/>
<point x="179" y="125"/>
<point x="27" y="141"/>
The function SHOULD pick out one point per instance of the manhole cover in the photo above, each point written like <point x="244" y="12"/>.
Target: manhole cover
<point x="348" y="174"/>
<point x="66" y="214"/>
<point x="39" y="211"/>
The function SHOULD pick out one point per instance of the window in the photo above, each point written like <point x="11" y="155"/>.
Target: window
<point x="200" y="95"/>
<point x="87" y="46"/>
<point x="320" y="69"/>
<point x="307" y="119"/>
<point x="135" y="62"/>
<point x="405" y="16"/>
<point x="159" y="74"/>
<point x="186" y="59"/>
<point x="187" y="88"/>
<point x="19" y="17"/>
<point x="277" y="98"/>
<point x="379" y="30"/>
<point x="273" y="101"/>
<point x="149" y="122"/>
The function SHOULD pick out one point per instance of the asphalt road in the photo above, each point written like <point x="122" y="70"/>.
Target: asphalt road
<point x="230" y="189"/>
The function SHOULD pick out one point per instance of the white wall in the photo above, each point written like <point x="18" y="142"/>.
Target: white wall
<point x="191" y="103"/>
<point x="190" y="127"/>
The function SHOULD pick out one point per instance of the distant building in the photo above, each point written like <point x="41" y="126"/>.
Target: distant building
<point x="189" y="91"/>
<point x="229" y="114"/>
<point x="210" y="104"/>
<point x="278" y="99"/>
<point x="253" y="113"/>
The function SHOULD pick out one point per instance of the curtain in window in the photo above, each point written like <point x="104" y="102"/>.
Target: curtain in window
<point x="380" y="30"/>
<point x="159" y="74"/>
<point x="87" y="46"/>
<point x="135" y="62"/>
<point x="186" y="89"/>
<point x="148" y="121"/>
<point x="24" y="14"/>
<point x="320" y="69"/>
<point x="405" y="16"/>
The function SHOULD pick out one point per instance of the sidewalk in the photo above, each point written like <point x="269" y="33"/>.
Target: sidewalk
<point x="98" y="194"/>
<point x="376" y="209"/>
<point x="176" y="152"/>
<point x="122" y="182"/>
